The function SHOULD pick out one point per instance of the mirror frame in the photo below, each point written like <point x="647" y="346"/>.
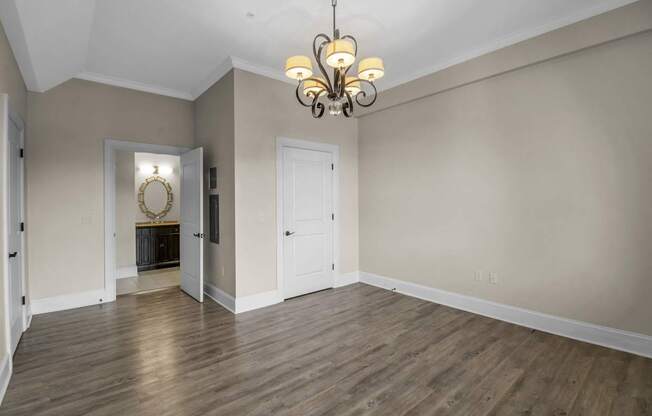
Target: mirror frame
<point x="141" y="198"/>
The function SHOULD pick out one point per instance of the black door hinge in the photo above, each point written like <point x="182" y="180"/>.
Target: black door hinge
<point x="22" y="153"/>
<point x="22" y="227"/>
<point x="333" y="217"/>
<point x="332" y="166"/>
<point x="23" y="300"/>
<point x="333" y="266"/>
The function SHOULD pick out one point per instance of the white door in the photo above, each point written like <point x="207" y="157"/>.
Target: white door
<point x="307" y="221"/>
<point x="192" y="224"/>
<point x="15" y="236"/>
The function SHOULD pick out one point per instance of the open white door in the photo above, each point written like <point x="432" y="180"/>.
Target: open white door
<point x="192" y="224"/>
<point x="14" y="231"/>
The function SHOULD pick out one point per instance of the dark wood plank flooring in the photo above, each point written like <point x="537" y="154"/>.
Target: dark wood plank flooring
<point x="357" y="350"/>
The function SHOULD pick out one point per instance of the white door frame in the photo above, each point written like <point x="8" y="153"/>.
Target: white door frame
<point x="110" y="146"/>
<point x="334" y="150"/>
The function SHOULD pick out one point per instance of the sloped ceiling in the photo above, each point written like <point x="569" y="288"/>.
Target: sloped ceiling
<point x="179" y="48"/>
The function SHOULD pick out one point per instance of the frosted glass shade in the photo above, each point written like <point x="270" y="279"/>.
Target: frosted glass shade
<point x="340" y="53"/>
<point x="352" y="86"/>
<point x="298" y="67"/>
<point x="371" y="69"/>
<point x="314" y="87"/>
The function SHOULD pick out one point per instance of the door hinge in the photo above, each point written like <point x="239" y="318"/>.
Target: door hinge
<point x="333" y="266"/>
<point x="22" y="153"/>
<point x="22" y="227"/>
<point x="333" y="217"/>
<point x="23" y="300"/>
<point x="332" y="166"/>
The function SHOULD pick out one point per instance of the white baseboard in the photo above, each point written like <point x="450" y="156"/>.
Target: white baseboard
<point x="220" y="296"/>
<point x="127" y="271"/>
<point x="260" y="300"/>
<point x="347" y="279"/>
<point x="64" y="302"/>
<point x="5" y="375"/>
<point x="631" y="342"/>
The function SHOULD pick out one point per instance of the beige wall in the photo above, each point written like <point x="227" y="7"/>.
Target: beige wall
<point x="540" y="175"/>
<point x="125" y="209"/>
<point x="64" y="162"/>
<point x="264" y="110"/>
<point x="11" y="83"/>
<point x="214" y="130"/>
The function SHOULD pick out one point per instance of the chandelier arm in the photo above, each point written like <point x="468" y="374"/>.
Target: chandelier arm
<point x="299" y="94"/>
<point x="317" y="53"/>
<point x="364" y="94"/>
<point x="317" y="107"/>
<point x="347" y="108"/>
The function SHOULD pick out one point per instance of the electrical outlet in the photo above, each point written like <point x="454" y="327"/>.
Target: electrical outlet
<point x="493" y="278"/>
<point x="478" y="277"/>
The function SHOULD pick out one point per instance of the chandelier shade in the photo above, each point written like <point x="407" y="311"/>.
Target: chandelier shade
<point x="340" y="53"/>
<point x="371" y="69"/>
<point x="298" y="67"/>
<point x="353" y="86"/>
<point x="314" y="87"/>
<point x="334" y="89"/>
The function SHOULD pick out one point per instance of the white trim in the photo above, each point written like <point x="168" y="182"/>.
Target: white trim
<point x="257" y="301"/>
<point x="4" y="188"/>
<point x="5" y="375"/>
<point x="283" y="142"/>
<point x="241" y="304"/>
<point x="26" y="309"/>
<point x="595" y="334"/>
<point x="65" y="302"/>
<point x="220" y="296"/>
<point x="110" y="146"/>
<point x="347" y="279"/>
<point x="126" y="272"/>
<point x="262" y="70"/>
<point x="134" y="85"/>
<point x="507" y="41"/>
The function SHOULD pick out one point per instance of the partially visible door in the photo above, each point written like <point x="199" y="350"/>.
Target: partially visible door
<point x="14" y="235"/>
<point x="192" y="224"/>
<point x="307" y="221"/>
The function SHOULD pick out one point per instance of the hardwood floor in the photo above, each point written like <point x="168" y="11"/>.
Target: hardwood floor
<point x="357" y="350"/>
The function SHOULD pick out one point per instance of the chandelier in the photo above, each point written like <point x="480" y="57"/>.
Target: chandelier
<point x="340" y="91"/>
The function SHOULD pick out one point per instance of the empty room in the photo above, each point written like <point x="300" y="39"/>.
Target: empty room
<point x="325" y="207"/>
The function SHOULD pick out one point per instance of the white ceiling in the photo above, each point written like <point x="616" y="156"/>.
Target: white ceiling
<point x="180" y="47"/>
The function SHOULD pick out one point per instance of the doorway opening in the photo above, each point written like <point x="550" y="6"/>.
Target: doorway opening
<point x="147" y="221"/>
<point x="153" y="218"/>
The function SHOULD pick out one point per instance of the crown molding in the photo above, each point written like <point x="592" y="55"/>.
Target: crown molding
<point x="217" y="74"/>
<point x="509" y="40"/>
<point x="233" y="62"/>
<point x="134" y="85"/>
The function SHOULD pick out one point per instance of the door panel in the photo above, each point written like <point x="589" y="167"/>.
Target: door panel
<point x="192" y="226"/>
<point x="307" y="218"/>
<point x="15" y="237"/>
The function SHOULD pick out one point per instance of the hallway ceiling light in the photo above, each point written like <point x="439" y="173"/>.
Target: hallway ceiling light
<point x="339" y="92"/>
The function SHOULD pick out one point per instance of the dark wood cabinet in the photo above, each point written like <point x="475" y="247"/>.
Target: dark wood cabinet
<point x="157" y="246"/>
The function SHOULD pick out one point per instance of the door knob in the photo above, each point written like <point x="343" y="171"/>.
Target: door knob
<point x="287" y="233"/>
<point x="12" y="255"/>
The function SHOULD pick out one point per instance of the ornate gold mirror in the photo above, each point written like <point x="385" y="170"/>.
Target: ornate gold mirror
<point x="155" y="197"/>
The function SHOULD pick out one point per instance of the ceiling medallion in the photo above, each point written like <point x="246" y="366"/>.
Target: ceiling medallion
<point x="338" y="93"/>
